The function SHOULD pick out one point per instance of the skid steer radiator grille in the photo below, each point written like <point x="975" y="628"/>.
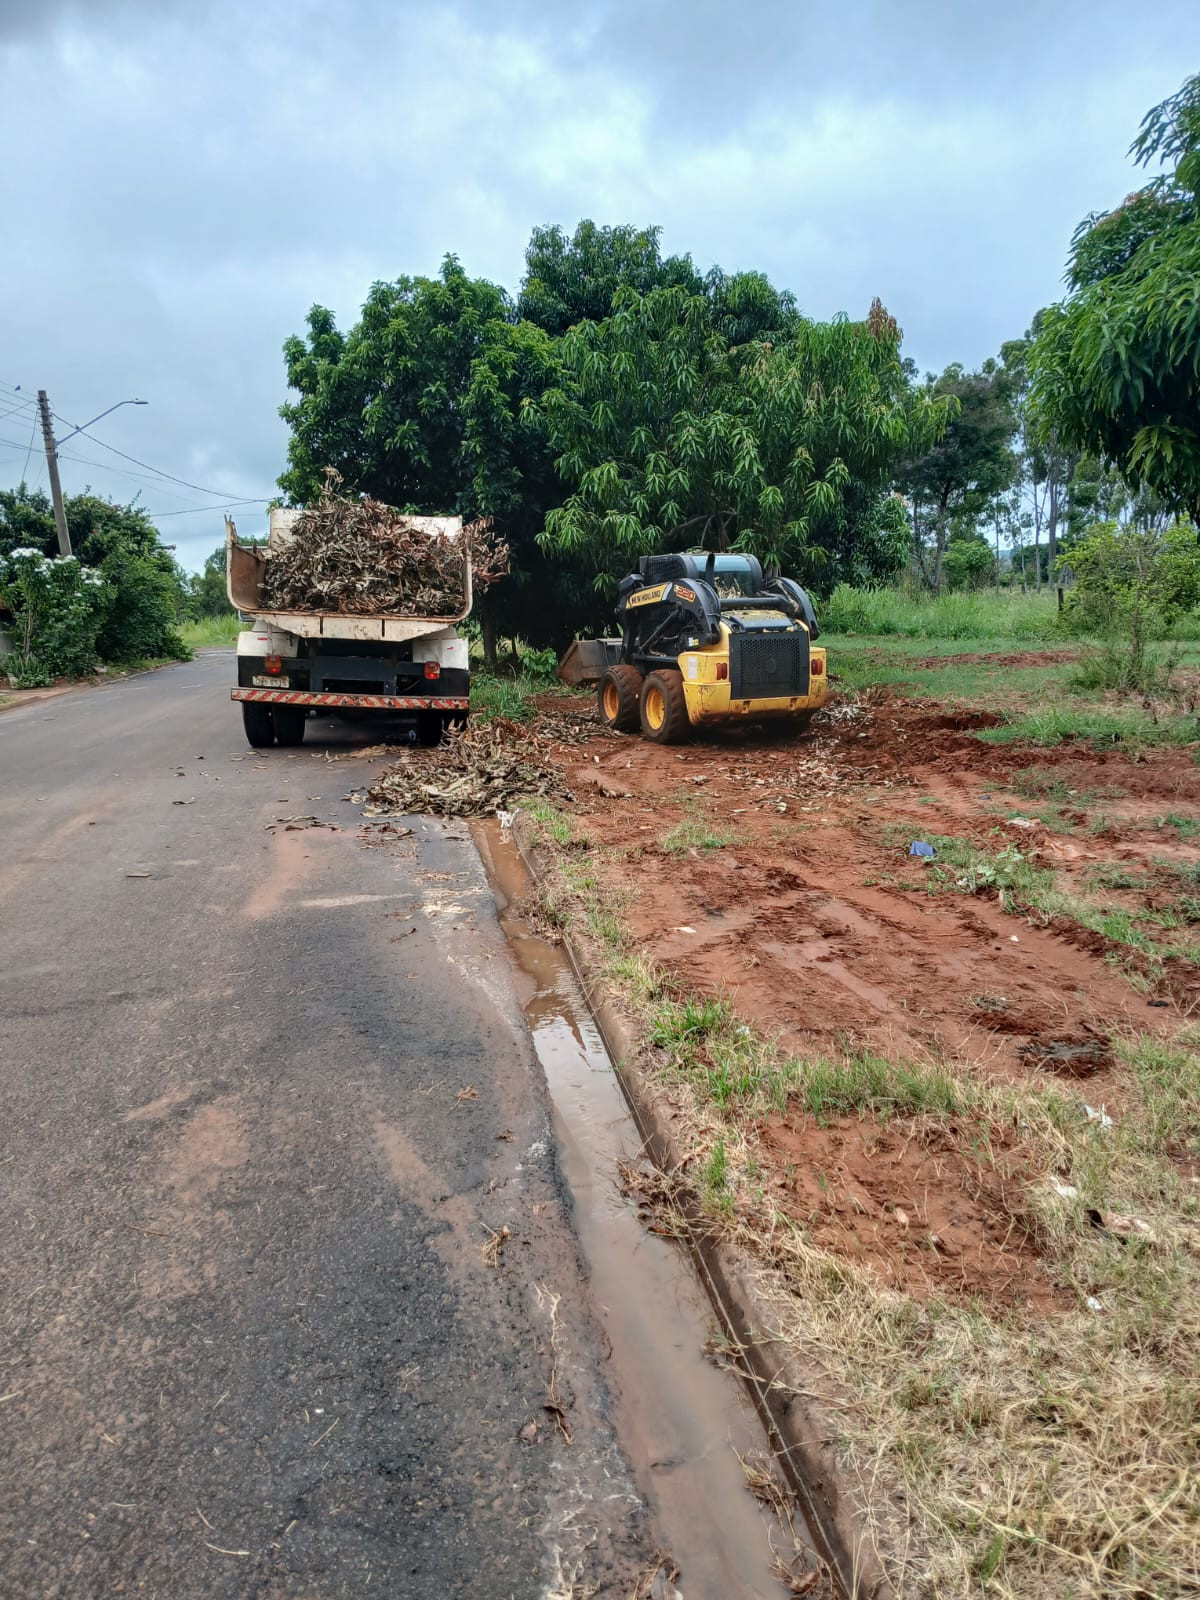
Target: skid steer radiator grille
<point x="767" y="666"/>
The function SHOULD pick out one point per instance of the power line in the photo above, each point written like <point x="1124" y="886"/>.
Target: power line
<point x="221" y="494"/>
<point x="29" y="450"/>
<point x="138" y="477"/>
<point x="197" y="511"/>
<point x="18" y="398"/>
<point x="158" y="472"/>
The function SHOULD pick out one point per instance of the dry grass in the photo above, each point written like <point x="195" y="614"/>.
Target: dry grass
<point x="1037" y="1455"/>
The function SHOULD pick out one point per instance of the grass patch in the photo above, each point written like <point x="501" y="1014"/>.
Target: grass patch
<point x="211" y="632"/>
<point x="693" y="833"/>
<point x="1096" y="724"/>
<point x="1022" y="886"/>
<point x="559" y="825"/>
<point x="1115" y="875"/>
<point x="1183" y="827"/>
<point x="1042" y="704"/>
<point x="1009" y="615"/>
<point x="507" y="695"/>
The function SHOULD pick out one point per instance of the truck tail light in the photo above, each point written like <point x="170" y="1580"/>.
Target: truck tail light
<point x="818" y="667"/>
<point x="433" y="669"/>
<point x="722" y="671"/>
<point x="273" y="664"/>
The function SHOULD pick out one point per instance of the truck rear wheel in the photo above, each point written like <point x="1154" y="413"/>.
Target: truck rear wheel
<point x="430" y="727"/>
<point x="617" y="697"/>
<point x="259" y="724"/>
<point x="663" y="708"/>
<point x="289" y="724"/>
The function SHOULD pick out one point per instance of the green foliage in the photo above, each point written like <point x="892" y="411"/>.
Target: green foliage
<point x="57" y="608"/>
<point x="1101" y="726"/>
<point x="206" y="594"/>
<point x="949" y="616"/>
<point x="500" y="695"/>
<point x="142" y="621"/>
<point x="541" y="664"/>
<point x="968" y="563"/>
<point x="1131" y="584"/>
<point x="952" y="478"/>
<point x="119" y="545"/>
<point x="672" y="436"/>
<point x="570" y="280"/>
<point x="1114" y="366"/>
<point x="26" y="521"/>
<point x="420" y="405"/>
<point x="210" y="632"/>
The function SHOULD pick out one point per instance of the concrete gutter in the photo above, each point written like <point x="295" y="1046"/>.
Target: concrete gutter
<point x="792" y="1398"/>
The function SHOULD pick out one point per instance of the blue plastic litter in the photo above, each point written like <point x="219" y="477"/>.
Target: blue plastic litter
<point x="919" y="848"/>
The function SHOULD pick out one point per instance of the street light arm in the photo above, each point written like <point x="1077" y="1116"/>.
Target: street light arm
<point x="85" y="426"/>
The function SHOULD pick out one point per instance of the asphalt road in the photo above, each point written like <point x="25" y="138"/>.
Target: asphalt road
<point x="265" y="1097"/>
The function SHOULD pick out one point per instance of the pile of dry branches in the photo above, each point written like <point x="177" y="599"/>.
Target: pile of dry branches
<point x="475" y="772"/>
<point x="355" y="555"/>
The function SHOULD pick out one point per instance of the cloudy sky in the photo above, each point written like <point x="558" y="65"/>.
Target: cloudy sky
<point x="184" y="178"/>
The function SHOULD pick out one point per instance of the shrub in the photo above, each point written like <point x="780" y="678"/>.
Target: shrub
<point x="1131" y="585"/>
<point x="58" y="609"/>
<point x="142" y="621"/>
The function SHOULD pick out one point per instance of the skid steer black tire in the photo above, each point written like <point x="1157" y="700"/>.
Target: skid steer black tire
<point x="617" y="698"/>
<point x="663" y="708"/>
<point x="259" y="723"/>
<point x="289" y="724"/>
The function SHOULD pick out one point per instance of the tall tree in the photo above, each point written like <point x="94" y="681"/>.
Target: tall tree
<point x="420" y="405"/>
<point x="672" y="436"/>
<point x="1115" y="367"/>
<point x="1045" y="465"/>
<point x="576" y="279"/>
<point x="207" y="594"/>
<point x="953" y="480"/>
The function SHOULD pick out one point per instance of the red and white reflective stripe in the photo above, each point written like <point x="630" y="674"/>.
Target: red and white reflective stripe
<point x="383" y="702"/>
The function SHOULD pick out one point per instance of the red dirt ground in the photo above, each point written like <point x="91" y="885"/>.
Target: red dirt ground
<point x="821" y="930"/>
<point x="913" y="1204"/>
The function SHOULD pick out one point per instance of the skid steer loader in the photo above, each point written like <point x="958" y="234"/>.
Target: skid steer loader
<point x="704" y="640"/>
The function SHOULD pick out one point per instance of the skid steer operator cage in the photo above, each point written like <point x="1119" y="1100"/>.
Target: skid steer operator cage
<point x="733" y="576"/>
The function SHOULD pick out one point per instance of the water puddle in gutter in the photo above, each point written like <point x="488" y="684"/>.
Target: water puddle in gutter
<point x="682" y="1421"/>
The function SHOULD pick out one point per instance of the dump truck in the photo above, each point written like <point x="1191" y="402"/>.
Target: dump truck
<point x="289" y="662"/>
<point x="705" y="639"/>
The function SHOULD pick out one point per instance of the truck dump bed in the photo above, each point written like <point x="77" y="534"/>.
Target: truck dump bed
<point x="247" y="564"/>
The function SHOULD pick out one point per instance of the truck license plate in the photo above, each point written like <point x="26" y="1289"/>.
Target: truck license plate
<point x="270" y="683"/>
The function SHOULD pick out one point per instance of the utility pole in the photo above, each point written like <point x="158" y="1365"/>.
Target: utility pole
<point x="60" y="515"/>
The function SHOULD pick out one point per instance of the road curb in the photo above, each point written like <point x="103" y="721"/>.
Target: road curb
<point x="787" y="1393"/>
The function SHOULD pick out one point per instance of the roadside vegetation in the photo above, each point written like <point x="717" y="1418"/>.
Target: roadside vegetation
<point x="206" y="633"/>
<point x="117" y="601"/>
<point x="1038" y="1418"/>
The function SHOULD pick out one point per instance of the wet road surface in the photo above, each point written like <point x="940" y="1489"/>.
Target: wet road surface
<point x="266" y="1098"/>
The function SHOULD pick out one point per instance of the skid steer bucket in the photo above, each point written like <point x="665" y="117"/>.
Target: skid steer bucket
<point x="586" y="660"/>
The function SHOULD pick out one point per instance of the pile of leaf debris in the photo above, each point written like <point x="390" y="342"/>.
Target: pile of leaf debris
<point x="476" y="771"/>
<point x="352" y="554"/>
